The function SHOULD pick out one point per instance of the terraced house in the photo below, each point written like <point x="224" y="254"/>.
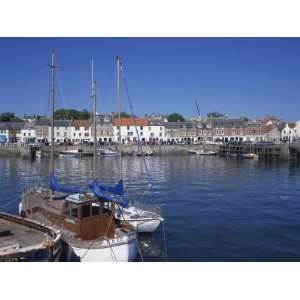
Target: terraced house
<point x="130" y="129"/>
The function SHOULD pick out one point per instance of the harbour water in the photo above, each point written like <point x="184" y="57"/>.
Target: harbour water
<point x="215" y="209"/>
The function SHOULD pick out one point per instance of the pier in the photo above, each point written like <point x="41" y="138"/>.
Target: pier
<point x="265" y="150"/>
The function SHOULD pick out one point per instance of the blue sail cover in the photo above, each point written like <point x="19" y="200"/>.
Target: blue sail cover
<point x="98" y="190"/>
<point x="55" y="186"/>
<point x="117" y="189"/>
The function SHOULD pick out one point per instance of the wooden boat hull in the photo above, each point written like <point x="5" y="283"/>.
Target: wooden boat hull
<point x="49" y="248"/>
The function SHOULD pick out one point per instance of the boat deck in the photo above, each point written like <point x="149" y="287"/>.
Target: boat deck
<point x="18" y="235"/>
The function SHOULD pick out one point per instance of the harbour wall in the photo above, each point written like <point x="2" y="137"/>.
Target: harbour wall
<point x="23" y="151"/>
<point x="277" y="151"/>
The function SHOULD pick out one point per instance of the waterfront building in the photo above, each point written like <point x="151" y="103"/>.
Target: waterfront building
<point x="80" y="131"/>
<point x="11" y="131"/>
<point x="130" y="128"/>
<point x="228" y="129"/>
<point x="28" y="133"/>
<point x="62" y="131"/>
<point x="105" y="132"/>
<point x="42" y="130"/>
<point x="290" y="132"/>
<point x="177" y="132"/>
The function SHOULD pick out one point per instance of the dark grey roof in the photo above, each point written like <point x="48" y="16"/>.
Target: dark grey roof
<point x="62" y="123"/>
<point x="43" y="122"/>
<point x="11" y="125"/>
<point x="228" y="123"/>
<point x="151" y="122"/>
<point x="179" y="125"/>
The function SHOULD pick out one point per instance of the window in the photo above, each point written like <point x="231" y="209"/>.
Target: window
<point x="24" y="134"/>
<point x="57" y="133"/>
<point x="160" y="134"/>
<point x="128" y="127"/>
<point x="86" y="128"/>
<point x="141" y="127"/>
<point x="74" y="134"/>
<point x="160" y="128"/>
<point x="77" y="128"/>
<point x="141" y="133"/>
<point x="86" y="134"/>
<point x="79" y="133"/>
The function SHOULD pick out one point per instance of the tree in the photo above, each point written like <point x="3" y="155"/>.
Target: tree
<point x="123" y="114"/>
<point x="215" y="115"/>
<point x="69" y="114"/>
<point x="175" y="117"/>
<point x="9" y="117"/>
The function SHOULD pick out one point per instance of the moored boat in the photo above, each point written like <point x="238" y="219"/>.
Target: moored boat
<point x="249" y="156"/>
<point x="206" y="152"/>
<point x="26" y="240"/>
<point x="88" y="228"/>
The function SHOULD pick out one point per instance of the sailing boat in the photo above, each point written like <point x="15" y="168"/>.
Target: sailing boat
<point x="88" y="227"/>
<point x="142" y="220"/>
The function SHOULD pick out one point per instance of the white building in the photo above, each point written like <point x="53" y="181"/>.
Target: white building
<point x="80" y="131"/>
<point x="291" y="131"/>
<point x="28" y="133"/>
<point x="62" y="131"/>
<point x="131" y="129"/>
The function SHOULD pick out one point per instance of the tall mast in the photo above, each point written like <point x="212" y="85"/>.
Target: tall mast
<point x="119" y="114"/>
<point x="52" y="104"/>
<point x="94" y="121"/>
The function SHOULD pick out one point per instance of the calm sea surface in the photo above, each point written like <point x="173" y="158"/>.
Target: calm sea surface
<point x="215" y="209"/>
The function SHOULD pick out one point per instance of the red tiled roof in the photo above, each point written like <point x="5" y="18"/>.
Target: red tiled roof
<point x="130" y="122"/>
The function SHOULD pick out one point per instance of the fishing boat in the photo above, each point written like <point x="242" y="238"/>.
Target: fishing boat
<point x="90" y="230"/>
<point x="26" y="240"/>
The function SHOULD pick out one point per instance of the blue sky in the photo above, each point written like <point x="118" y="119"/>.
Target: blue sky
<point x="236" y="76"/>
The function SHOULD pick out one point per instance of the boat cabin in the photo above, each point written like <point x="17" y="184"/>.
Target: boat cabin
<point x="87" y="217"/>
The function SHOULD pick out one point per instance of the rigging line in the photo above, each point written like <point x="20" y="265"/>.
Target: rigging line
<point x="62" y="93"/>
<point x="135" y="125"/>
<point x="136" y="237"/>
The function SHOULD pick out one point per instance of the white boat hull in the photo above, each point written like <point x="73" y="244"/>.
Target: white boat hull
<point x="121" y="252"/>
<point x="141" y="220"/>
<point x="144" y="225"/>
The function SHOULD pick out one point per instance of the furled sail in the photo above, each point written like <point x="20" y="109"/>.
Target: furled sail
<point x="101" y="193"/>
<point x="117" y="189"/>
<point x="55" y="186"/>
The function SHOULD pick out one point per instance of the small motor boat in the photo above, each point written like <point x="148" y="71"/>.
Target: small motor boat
<point x="141" y="220"/>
